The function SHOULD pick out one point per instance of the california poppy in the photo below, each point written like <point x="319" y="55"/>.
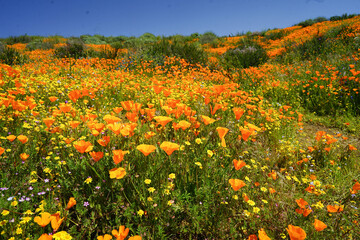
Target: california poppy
<point x="222" y="132"/>
<point x="53" y="99"/>
<point x="169" y="147"/>
<point x="236" y="184"/>
<point x="207" y="120"/>
<point x="105" y="237"/>
<point x="23" y="139"/>
<point x="137" y="237"/>
<point x="117" y="173"/>
<point x="163" y="120"/>
<point x="296" y="233"/>
<point x="301" y="203"/>
<point x="238" y="112"/>
<point x="48" y="121"/>
<point x="44" y="219"/>
<point x="121" y="234"/>
<point x="355" y="188"/>
<point x="146" y="149"/>
<point x="272" y="175"/>
<point x="71" y="203"/>
<point x="83" y="146"/>
<point x="24" y="156"/>
<point x="263" y="235"/>
<point x="96" y="156"/>
<point x="183" y="125"/>
<point x="238" y="164"/>
<point x="56" y="221"/>
<point x="104" y="141"/>
<point x="119" y="155"/>
<point x="319" y="225"/>
<point x="74" y="124"/>
<point x="11" y="138"/>
<point x="45" y="237"/>
<point x="334" y="208"/>
<point x="2" y="150"/>
<point x="252" y="237"/>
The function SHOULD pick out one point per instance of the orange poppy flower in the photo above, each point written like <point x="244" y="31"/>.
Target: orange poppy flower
<point x="119" y="155"/>
<point x="104" y="141"/>
<point x="222" y="132"/>
<point x="296" y="233"/>
<point x="355" y="188"/>
<point x="273" y="175"/>
<point x="121" y="234"/>
<point x="105" y="237"/>
<point x="109" y="119"/>
<point x="117" y="109"/>
<point x="24" y="156"/>
<point x="263" y="235"/>
<point x="163" y="120"/>
<point x="319" y="225"/>
<point x="56" y="221"/>
<point x="53" y="99"/>
<point x="149" y="134"/>
<point x="245" y="133"/>
<point x="11" y="138"/>
<point x="83" y="146"/>
<point x="301" y="203"/>
<point x="207" y="120"/>
<point x="238" y="164"/>
<point x="117" y="173"/>
<point x="132" y="116"/>
<point x="352" y="148"/>
<point x="45" y="237"/>
<point x="334" y="208"/>
<point x="43" y="220"/>
<point x="2" y="150"/>
<point x="303" y="211"/>
<point x="146" y="149"/>
<point x="252" y="237"/>
<point x="48" y="121"/>
<point x="69" y="140"/>
<point x="169" y="147"/>
<point x="96" y="156"/>
<point x="65" y="107"/>
<point x="74" y="124"/>
<point x="71" y="203"/>
<point x="137" y="237"/>
<point x="236" y="184"/>
<point x="22" y="139"/>
<point x="271" y="190"/>
<point x="238" y="112"/>
<point x="183" y="125"/>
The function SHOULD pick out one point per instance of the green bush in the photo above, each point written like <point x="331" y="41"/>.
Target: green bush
<point x="191" y="52"/>
<point x="74" y="48"/>
<point x="39" y="44"/>
<point x="207" y="37"/>
<point x="10" y="56"/>
<point x="244" y="56"/>
<point x="18" y="39"/>
<point x="310" y="22"/>
<point x="342" y="17"/>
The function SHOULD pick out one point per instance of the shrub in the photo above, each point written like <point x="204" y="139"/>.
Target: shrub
<point x="310" y="22"/>
<point x="39" y="44"/>
<point x="74" y="48"/>
<point x="18" y="39"/>
<point x="244" y="56"/>
<point x="10" y="56"/>
<point x="207" y="37"/>
<point x="191" y="52"/>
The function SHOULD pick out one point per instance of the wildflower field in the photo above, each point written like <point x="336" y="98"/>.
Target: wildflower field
<point x="246" y="137"/>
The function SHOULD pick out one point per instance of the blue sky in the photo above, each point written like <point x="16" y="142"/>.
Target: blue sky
<point x="160" y="17"/>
